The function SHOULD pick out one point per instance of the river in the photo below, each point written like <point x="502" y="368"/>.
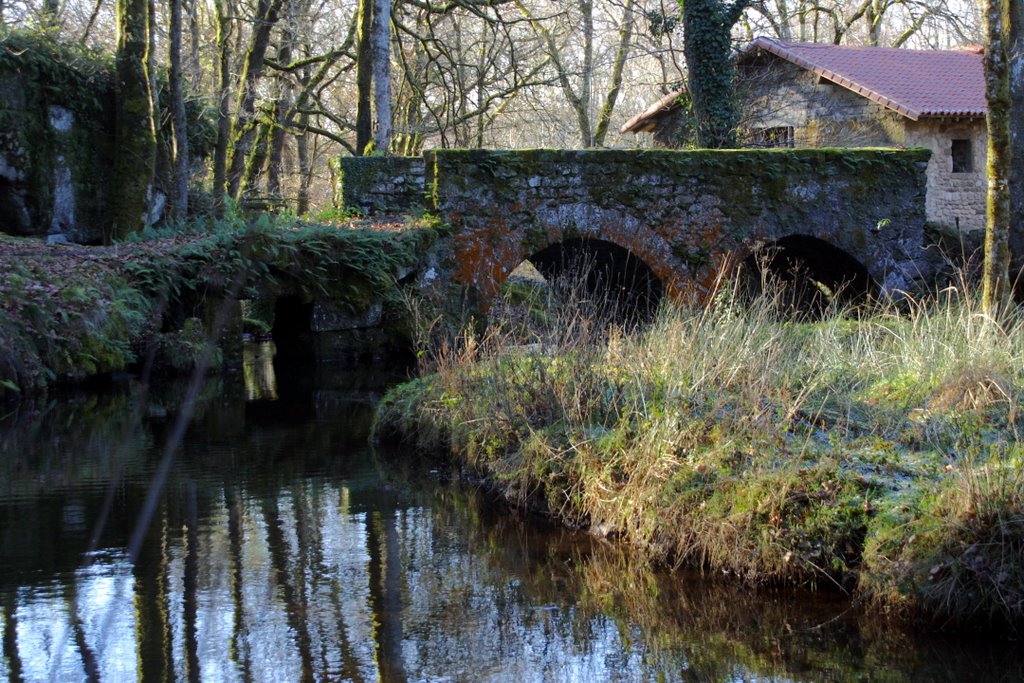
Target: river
<point x="280" y="546"/>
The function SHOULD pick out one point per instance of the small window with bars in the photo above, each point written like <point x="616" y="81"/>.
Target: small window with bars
<point x="779" y="136"/>
<point x="963" y="158"/>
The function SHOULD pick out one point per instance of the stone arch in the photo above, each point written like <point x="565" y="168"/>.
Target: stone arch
<point x="813" y="274"/>
<point x="486" y="264"/>
<point x="613" y="276"/>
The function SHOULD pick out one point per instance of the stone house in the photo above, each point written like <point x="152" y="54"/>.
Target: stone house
<point x="814" y="95"/>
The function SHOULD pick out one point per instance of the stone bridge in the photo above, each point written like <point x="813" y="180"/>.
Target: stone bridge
<point x="672" y="218"/>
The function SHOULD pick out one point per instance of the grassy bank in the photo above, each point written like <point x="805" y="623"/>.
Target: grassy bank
<point x="68" y="312"/>
<point x="879" y="455"/>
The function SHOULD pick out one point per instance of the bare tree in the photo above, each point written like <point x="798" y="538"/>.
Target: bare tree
<point x="179" y="149"/>
<point x="381" y="51"/>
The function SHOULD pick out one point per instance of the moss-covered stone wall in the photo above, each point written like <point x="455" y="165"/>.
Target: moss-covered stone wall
<point x="70" y="312"/>
<point x="57" y="144"/>
<point x="56" y="140"/>
<point x="686" y="214"/>
<point x="378" y="184"/>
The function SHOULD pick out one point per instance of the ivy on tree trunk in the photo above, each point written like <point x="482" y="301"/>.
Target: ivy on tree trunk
<point x="707" y="44"/>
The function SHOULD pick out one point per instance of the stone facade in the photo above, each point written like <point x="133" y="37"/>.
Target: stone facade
<point x="955" y="199"/>
<point x="778" y="95"/>
<point x="686" y="215"/>
<point x="378" y="184"/>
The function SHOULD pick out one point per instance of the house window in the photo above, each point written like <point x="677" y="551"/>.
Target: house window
<point x="779" y="136"/>
<point x="963" y="159"/>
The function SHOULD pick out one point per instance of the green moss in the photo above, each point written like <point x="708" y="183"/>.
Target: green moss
<point x="72" y="312"/>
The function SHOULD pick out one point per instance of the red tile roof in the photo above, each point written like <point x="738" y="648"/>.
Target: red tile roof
<point x="914" y="83"/>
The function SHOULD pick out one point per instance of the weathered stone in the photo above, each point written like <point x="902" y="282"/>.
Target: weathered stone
<point x="62" y="220"/>
<point x="378" y="184"/>
<point x="328" y="316"/>
<point x="715" y="207"/>
<point x="54" y="162"/>
<point x="61" y="119"/>
<point x="777" y="95"/>
<point x="357" y="345"/>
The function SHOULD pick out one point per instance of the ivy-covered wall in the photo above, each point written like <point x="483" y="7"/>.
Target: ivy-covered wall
<point x="56" y="139"/>
<point x="685" y="214"/>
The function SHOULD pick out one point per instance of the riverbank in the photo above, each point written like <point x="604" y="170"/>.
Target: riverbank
<point x="70" y="312"/>
<point x="880" y="456"/>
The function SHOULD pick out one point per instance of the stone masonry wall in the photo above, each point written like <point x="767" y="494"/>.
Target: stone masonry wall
<point x="776" y="93"/>
<point x="954" y="199"/>
<point x="54" y="162"/>
<point x="685" y="214"/>
<point x="378" y="184"/>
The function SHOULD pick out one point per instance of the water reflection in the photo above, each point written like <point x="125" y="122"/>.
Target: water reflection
<point x="284" y="549"/>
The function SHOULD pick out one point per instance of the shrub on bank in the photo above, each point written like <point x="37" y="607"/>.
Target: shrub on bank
<point x="877" y="453"/>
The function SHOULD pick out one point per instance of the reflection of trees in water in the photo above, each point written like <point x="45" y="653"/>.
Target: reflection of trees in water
<point x="284" y="550"/>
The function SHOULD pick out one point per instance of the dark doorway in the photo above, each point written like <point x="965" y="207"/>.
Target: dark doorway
<point x="14" y="218"/>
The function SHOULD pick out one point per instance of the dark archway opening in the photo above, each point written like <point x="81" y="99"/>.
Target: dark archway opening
<point x="14" y="218"/>
<point x="290" y="328"/>
<point x="605" y="280"/>
<point x="807" y="276"/>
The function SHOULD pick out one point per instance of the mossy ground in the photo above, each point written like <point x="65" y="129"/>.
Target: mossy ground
<point x="68" y="312"/>
<point x="879" y="454"/>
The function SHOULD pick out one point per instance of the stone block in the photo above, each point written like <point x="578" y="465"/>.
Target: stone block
<point x="328" y="316"/>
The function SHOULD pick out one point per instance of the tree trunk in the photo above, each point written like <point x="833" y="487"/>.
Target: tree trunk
<point x="257" y="159"/>
<point x="179" y="144"/>
<point x="364" y="78"/>
<point x="707" y="26"/>
<point x="88" y="24"/>
<point x="995" y="277"/>
<point x="195" y="69"/>
<point x="220" y="152"/>
<point x="587" y="87"/>
<point x="245" y="127"/>
<point x="625" y="39"/>
<point x="283" y="108"/>
<point x="134" y="134"/>
<point x="1016" y="56"/>
<point x="305" y="170"/>
<point x="275" y="157"/>
<point x="381" y="49"/>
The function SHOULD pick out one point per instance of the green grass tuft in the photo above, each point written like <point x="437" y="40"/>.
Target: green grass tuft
<point x="878" y="454"/>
